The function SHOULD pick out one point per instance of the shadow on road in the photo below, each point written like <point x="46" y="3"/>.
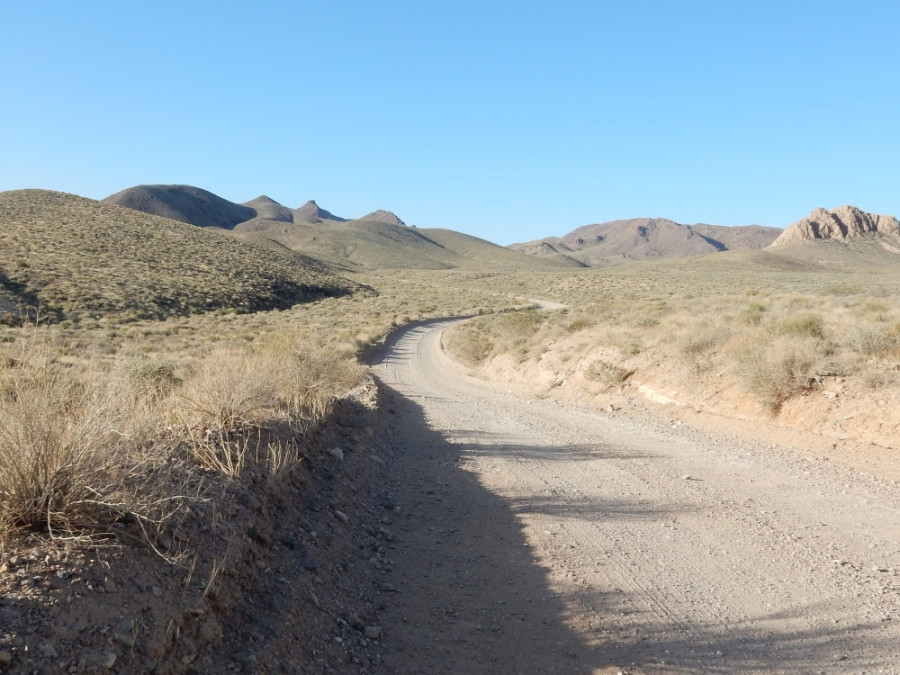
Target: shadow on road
<point x="473" y="598"/>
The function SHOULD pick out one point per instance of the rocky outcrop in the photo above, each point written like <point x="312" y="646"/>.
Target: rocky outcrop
<point x="312" y="210"/>
<point x="842" y="224"/>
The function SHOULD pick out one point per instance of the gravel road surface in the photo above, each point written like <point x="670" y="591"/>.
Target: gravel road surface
<point x="536" y="537"/>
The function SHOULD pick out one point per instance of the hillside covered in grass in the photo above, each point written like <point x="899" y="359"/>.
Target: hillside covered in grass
<point x="76" y="258"/>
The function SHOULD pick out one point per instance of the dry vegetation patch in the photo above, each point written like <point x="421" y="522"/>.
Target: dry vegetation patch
<point x="782" y="333"/>
<point x="149" y="469"/>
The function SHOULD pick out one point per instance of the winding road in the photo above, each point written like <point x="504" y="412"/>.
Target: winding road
<point x="540" y="537"/>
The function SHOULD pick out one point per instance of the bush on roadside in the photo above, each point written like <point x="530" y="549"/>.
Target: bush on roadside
<point x="775" y="370"/>
<point x="67" y="445"/>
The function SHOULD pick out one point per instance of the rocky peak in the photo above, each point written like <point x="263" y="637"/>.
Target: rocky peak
<point x="841" y="224"/>
<point x="312" y="210"/>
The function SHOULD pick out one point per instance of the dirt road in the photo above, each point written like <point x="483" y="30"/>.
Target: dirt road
<point x="533" y="537"/>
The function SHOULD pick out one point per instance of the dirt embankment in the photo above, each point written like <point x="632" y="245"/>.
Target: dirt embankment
<point x="262" y="570"/>
<point x="839" y="418"/>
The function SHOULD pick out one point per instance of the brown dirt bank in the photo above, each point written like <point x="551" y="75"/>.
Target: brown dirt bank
<point x="839" y="419"/>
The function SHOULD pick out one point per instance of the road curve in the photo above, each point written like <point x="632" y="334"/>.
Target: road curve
<point x="540" y="537"/>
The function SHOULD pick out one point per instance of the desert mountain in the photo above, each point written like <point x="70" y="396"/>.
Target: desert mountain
<point x="843" y="224"/>
<point x="646" y="239"/>
<point x="379" y="239"/>
<point x="80" y="258"/>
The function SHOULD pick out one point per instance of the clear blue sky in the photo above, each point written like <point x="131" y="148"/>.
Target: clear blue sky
<point x="508" y="120"/>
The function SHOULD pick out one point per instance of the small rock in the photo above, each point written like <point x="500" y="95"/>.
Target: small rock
<point x="109" y="661"/>
<point x="354" y="621"/>
<point x="248" y="500"/>
<point x="5" y="659"/>
<point x="372" y="632"/>
<point x="157" y="591"/>
<point x="337" y="453"/>
<point x="340" y="515"/>
<point x="310" y="564"/>
<point x="109" y="585"/>
<point x="387" y="588"/>
<point x="48" y="651"/>
<point x="124" y="639"/>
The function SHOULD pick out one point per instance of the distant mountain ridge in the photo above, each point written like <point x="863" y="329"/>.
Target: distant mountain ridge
<point x="647" y="239"/>
<point x="379" y="239"/>
<point x="196" y="206"/>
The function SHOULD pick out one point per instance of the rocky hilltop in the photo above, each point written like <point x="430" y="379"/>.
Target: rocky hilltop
<point x="383" y="216"/>
<point x="842" y="224"/>
<point x="312" y="210"/>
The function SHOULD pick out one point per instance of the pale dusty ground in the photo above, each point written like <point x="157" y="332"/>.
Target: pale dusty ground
<point x="541" y="536"/>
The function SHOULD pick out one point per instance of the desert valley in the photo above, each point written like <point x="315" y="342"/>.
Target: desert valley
<point x="241" y="437"/>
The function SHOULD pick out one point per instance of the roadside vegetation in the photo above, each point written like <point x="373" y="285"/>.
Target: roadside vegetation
<point x="104" y="423"/>
<point x="776" y="334"/>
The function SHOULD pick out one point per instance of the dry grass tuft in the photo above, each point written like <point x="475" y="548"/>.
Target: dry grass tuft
<point x="68" y="444"/>
<point x="773" y="371"/>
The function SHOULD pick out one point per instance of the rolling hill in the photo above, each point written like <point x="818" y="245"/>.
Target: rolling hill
<point x="378" y="240"/>
<point x="183" y="203"/>
<point x="78" y="258"/>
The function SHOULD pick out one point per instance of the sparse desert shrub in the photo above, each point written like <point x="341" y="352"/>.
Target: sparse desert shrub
<point x="64" y="446"/>
<point x="518" y="326"/>
<point x="773" y="371"/>
<point x="804" y="325"/>
<point x="752" y="314"/>
<point x="469" y="343"/>
<point x="227" y="389"/>
<point x="607" y="373"/>
<point x="877" y="378"/>
<point x="877" y="340"/>
<point x="695" y="346"/>
<point x="151" y="379"/>
<point x="577" y="325"/>
<point x="310" y="376"/>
